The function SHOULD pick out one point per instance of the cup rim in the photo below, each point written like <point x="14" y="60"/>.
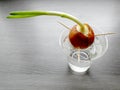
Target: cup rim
<point x="71" y="47"/>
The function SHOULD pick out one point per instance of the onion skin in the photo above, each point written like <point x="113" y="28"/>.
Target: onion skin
<point x="79" y="40"/>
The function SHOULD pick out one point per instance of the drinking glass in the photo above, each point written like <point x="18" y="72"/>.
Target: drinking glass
<point x="81" y="60"/>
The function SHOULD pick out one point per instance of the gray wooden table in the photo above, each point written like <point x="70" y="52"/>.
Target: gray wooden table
<point x="30" y="55"/>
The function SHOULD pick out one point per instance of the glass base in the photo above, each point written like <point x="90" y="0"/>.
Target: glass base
<point x="78" y="69"/>
<point x="79" y="61"/>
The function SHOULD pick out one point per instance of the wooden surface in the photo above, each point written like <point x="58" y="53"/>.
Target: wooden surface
<point x="30" y="55"/>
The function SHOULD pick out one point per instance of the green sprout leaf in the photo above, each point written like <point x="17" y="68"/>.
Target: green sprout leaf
<point x="28" y="14"/>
